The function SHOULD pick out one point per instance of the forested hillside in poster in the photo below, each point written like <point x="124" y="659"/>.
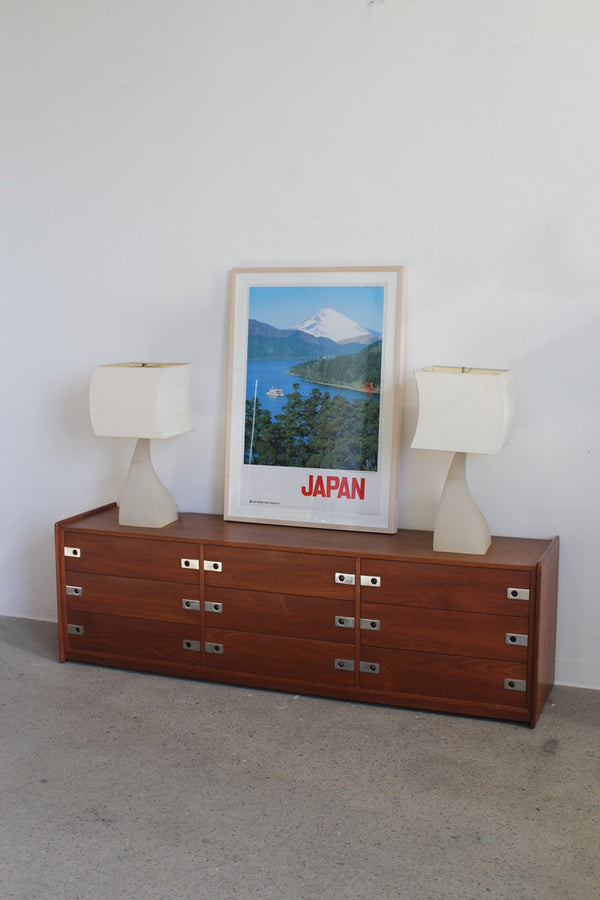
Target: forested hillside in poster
<point x="353" y="371"/>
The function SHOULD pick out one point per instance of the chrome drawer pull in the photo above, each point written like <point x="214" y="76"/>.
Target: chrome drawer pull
<point x="191" y="645"/>
<point x="370" y="624"/>
<point x="190" y="563"/>
<point x="75" y="629"/>
<point x="72" y="551"/>
<point x="213" y="648"/>
<point x="190" y="604"/>
<point x="513" y="684"/>
<point x="346" y="664"/>
<point x="370" y="667"/>
<point x="344" y="578"/>
<point x="370" y="581"/>
<point x="73" y="591"/>
<point x="209" y="606"/>
<point x="211" y="565"/>
<point x="517" y="594"/>
<point x="343" y="621"/>
<point x="516" y="640"/>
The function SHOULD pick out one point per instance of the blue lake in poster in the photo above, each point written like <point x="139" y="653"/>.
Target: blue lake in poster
<point x="264" y="374"/>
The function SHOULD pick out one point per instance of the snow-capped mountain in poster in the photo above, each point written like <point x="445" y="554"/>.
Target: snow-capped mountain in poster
<point x="325" y="333"/>
<point x="328" y="323"/>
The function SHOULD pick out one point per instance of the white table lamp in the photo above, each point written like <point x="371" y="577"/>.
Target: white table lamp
<point x="466" y="411"/>
<point x="143" y="401"/>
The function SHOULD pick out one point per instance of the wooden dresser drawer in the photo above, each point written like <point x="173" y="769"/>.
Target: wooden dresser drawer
<point x="306" y="617"/>
<point x="443" y="631"/>
<point x="449" y="677"/>
<point x="131" y="638"/>
<point x="280" y="571"/>
<point x="468" y="588"/>
<point x="132" y="557"/>
<point x="276" y="656"/>
<point x="134" y="597"/>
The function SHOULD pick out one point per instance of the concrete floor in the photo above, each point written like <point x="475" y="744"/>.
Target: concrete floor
<point x="126" y="785"/>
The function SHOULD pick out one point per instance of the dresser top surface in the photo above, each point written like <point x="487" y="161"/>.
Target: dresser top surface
<point x="407" y="544"/>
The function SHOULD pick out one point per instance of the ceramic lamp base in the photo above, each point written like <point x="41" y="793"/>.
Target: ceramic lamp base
<point x="145" y="500"/>
<point x="459" y="524"/>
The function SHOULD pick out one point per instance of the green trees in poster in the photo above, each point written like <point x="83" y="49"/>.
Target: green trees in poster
<point x="318" y="431"/>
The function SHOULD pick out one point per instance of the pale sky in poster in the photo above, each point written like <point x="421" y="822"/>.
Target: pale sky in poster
<point x="287" y="306"/>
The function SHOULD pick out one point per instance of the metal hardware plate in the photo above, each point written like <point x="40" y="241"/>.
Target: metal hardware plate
<point x="213" y="648"/>
<point x="73" y="590"/>
<point x="370" y="667"/>
<point x="72" y="551"/>
<point x="370" y="581"/>
<point x="343" y="621"/>
<point x="344" y="578"/>
<point x="212" y="565"/>
<point x="190" y="604"/>
<point x="190" y="563"/>
<point x="513" y="684"/>
<point x="517" y="594"/>
<point x="191" y="645"/>
<point x="370" y="624"/>
<point x="209" y="606"/>
<point x="346" y="664"/>
<point x="75" y="629"/>
<point x="516" y="640"/>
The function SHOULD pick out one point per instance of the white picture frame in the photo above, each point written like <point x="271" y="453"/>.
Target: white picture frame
<point x="315" y="397"/>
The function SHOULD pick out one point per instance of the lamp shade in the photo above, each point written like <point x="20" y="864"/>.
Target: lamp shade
<point x="141" y="400"/>
<point x="464" y="410"/>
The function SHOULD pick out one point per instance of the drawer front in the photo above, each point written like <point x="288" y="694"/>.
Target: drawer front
<point x="280" y="571"/>
<point x="442" y="631"/>
<point x="121" y="636"/>
<point x="278" y="657"/>
<point x="283" y="614"/>
<point x="446" y="677"/>
<point x="135" y="598"/>
<point x="469" y="588"/>
<point x="132" y="557"/>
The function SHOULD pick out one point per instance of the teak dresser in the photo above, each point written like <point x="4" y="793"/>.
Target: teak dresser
<point x="375" y="617"/>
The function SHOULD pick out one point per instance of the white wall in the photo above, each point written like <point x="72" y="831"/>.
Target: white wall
<point x="148" y="147"/>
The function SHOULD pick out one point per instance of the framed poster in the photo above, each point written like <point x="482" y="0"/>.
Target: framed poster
<point x="315" y="397"/>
